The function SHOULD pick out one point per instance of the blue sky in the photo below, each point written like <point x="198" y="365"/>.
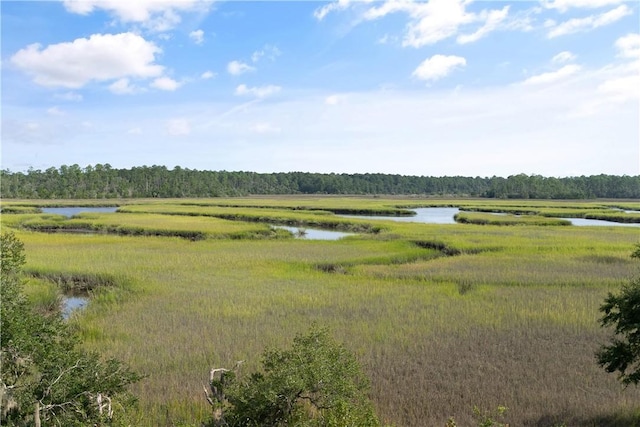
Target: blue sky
<point x="438" y="87"/>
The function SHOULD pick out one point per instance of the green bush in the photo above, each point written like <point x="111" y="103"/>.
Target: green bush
<point x="315" y="383"/>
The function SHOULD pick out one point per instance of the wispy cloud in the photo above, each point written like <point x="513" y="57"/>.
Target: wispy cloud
<point x="321" y="12"/>
<point x="588" y="23"/>
<point x="492" y="21"/>
<point x="265" y="128"/>
<point x="553" y="76"/>
<point x="166" y="83"/>
<point x="438" y="66"/>
<point x="564" y="5"/>
<point x="55" y="111"/>
<point x="629" y="46"/>
<point x="69" y="96"/>
<point x="564" y="56"/>
<point x="178" y="127"/>
<point x="236" y="68"/>
<point x="269" y="52"/>
<point x="258" y="91"/>
<point x="152" y="14"/>
<point x="207" y="75"/>
<point x="122" y="87"/>
<point x="197" y="36"/>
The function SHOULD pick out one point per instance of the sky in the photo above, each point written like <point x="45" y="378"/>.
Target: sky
<point x="427" y="88"/>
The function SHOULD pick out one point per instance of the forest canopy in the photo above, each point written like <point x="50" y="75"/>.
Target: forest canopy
<point x="103" y="181"/>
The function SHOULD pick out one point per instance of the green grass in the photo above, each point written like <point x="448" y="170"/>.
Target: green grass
<point x="506" y="219"/>
<point x="154" y="225"/>
<point x="293" y="217"/>
<point x="442" y="317"/>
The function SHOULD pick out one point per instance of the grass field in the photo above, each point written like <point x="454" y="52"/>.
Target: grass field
<point x="442" y="317"/>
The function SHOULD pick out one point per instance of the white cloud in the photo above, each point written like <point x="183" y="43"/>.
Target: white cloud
<point x="384" y="39"/>
<point x="165" y="83"/>
<point x="629" y="46"/>
<point x="435" y="21"/>
<point x="264" y="128"/>
<point x="197" y="36"/>
<point x="553" y="76"/>
<point x="321" y="12"/>
<point x="178" y="127"/>
<point x="98" y="58"/>
<point x="207" y="75"/>
<point x="258" y="91"/>
<point x="55" y="111"/>
<point x="430" y="22"/>
<point x="268" y="51"/>
<point x="335" y="99"/>
<point x="621" y="89"/>
<point x="564" y="5"/>
<point x="438" y="66"/>
<point x="135" y="131"/>
<point x="236" y="68"/>
<point x="576" y="25"/>
<point x="562" y="57"/>
<point x="156" y="15"/>
<point x="493" y="20"/>
<point x="69" y="96"/>
<point x="622" y="82"/>
<point x="122" y="87"/>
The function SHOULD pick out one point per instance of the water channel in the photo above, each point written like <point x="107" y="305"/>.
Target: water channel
<point x="423" y="215"/>
<point x="314" y="234"/>
<point x="445" y="216"/>
<point x="74" y="210"/>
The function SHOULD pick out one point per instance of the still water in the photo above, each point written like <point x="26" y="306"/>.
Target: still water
<point x="445" y="216"/>
<point x="314" y="234"/>
<point x="71" y="304"/>
<point x="71" y="211"/>
<point x="424" y="215"/>
<point x="599" y="222"/>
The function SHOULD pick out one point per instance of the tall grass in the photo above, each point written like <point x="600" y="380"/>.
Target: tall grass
<point x="442" y="317"/>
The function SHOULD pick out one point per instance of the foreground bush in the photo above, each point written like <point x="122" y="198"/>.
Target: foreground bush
<point x="47" y="379"/>
<point x="315" y="383"/>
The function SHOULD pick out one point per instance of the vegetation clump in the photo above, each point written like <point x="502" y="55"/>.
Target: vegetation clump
<point x="317" y="382"/>
<point x="622" y="312"/>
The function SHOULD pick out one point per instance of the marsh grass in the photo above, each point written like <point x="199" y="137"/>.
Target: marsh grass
<point x="265" y="215"/>
<point x="507" y="219"/>
<point x="441" y="317"/>
<point x="193" y="228"/>
<point x="45" y="296"/>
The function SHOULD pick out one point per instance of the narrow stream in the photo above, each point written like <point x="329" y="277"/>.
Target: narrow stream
<point x="70" y="304"/>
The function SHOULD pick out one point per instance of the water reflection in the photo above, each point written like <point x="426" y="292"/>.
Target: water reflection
<point x="315" y="234"/>
<point x="599" y="222"/>
<point x="71" y="211"/>
<point x="423" y="215"/>
<point x="71" y="304"/>
<point x="445" y="216"/>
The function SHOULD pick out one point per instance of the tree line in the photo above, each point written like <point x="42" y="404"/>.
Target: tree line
<point x="104" y="182"/>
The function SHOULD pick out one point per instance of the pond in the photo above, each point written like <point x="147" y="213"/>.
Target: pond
<point x="315" y="234"/>
<point x="423" y="215"/>
<point x="71" y="304"/>
<point x="74" y="210"/>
